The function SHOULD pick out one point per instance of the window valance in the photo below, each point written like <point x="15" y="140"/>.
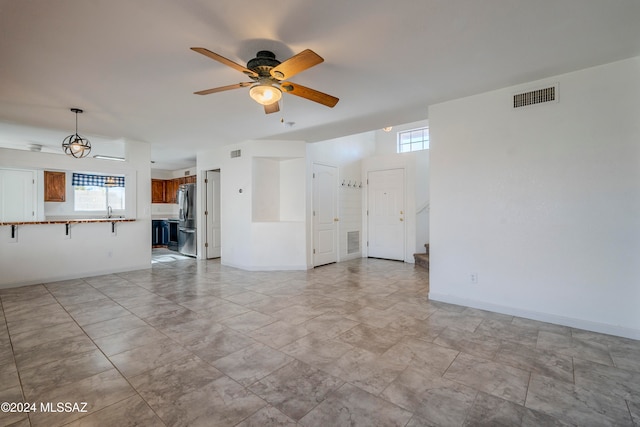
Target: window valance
<point x="97" y="180"/>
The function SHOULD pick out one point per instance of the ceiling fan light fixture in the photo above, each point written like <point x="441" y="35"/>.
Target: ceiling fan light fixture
<point x="265" y="94"/>
<point x="75" y="145"/>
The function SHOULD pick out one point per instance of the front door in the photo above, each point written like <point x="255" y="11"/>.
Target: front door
<point x="386" y="213"/>
<point x="212" y="215"/>
<point x="325" y="214"/>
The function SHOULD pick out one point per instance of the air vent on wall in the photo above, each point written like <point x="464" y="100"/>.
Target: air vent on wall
<point x="533" y="97"/>
<point x="353" y="242"/>
<point x="235" y="153"/>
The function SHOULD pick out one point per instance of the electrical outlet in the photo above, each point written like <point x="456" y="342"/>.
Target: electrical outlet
<point x="473" y="277"/>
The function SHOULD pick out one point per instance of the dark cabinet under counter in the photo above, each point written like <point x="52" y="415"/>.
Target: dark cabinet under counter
<point x="159" y="233"/>
<point x="173" y="235"/>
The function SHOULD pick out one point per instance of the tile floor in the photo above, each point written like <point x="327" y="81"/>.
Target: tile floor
<point x="194" y="343"/>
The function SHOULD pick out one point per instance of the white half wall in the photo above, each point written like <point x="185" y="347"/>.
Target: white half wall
<point x="43" y="253"/>
<point x="542" y="203"/>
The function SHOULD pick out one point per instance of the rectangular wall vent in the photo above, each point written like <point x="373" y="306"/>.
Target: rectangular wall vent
<point x="353" y="242"/>
<point x="539" y="96"/>
<point x="235" y="153"/>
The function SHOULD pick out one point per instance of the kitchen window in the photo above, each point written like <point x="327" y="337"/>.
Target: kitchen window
<point x="413" y="140"/>
<point x="98" y="192"/>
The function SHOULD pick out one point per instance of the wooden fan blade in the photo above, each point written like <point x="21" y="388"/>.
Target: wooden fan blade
<point x="223" y="88"/>
<point x="225" y="61"/>
<point x="297" y="63"/>
<point x="271" y="108"/>
<point x="310" y="94"/>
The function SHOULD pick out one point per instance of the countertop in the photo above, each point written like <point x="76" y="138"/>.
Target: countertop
<point x="69" y="221"/>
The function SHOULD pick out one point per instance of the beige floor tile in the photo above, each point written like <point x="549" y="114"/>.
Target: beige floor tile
<point x="53" y="351"/>
<point x="128" y="340"/>
<point x="268" y="417"/>
<point x="502" y="381"/>
<point x="350" y="405"/>
<point x="98" y="391"/>
<point x="431" y="397"/>
<point x="353" y="342"/>
<point x="129" y="412"/>
<point x="141" y="359"/>
<point x="252" y="363"/>
<point x="576" y="405"/>
<point x="279" y="333"/>
<point x="113" y="326"/>
<point x="41" y="379"/>
<point x="296" y="388"/>
<point x="12" y="395"/>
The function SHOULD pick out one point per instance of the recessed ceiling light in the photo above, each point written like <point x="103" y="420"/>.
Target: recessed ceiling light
<point x="387" y="129"/>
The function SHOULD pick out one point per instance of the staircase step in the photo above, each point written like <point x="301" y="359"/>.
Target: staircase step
<point x="422" y="260"/>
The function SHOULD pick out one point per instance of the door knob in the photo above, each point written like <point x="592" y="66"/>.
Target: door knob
<point x="401" y="219"/>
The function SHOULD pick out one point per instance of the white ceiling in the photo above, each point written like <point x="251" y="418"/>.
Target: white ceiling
<point x="127" y="63"/>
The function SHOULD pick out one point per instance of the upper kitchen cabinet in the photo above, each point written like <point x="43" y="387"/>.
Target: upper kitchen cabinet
<point x="54" y="186"/>
<point x="172" y="189"/>
<point x="165" y="190"/>
<point x="158" y="191"/>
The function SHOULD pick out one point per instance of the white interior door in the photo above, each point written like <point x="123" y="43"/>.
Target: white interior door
<point x="386" y="229"/>
<point x="212" y="215"/>
<point x="17" y="195"/>
<point x="325" y="214"/>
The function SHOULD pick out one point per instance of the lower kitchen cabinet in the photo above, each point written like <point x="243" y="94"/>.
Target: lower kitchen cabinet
<point x="159" y="232"/>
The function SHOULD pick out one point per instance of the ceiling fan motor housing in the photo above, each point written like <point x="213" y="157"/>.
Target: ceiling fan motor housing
<point x="263" y="63"/>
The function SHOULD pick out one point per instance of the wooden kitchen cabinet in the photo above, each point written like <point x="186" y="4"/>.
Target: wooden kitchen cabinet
<point x="55" y="186"/>
<point x="166" y="190"/>
<point x="158" y="191"/>
<point x="172" y="189"/>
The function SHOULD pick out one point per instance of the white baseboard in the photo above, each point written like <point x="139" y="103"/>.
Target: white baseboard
<point x="588" y="325"/>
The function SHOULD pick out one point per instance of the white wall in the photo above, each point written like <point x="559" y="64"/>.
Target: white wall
<point x="253" y="243"/>
<point x="542" y="202"/>
<point x="43" y="253"/>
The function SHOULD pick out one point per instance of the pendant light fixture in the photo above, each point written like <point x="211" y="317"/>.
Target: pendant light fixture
<point x="75" y="145"/>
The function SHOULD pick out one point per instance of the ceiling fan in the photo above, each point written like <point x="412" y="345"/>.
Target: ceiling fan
<point x="270" y="78"/>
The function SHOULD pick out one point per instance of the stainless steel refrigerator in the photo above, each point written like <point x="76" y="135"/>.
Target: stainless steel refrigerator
<point x="187" y="219"/>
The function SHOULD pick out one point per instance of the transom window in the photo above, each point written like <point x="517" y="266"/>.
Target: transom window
<point x="98" y="192"/>
<point x="413" y="140"/>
